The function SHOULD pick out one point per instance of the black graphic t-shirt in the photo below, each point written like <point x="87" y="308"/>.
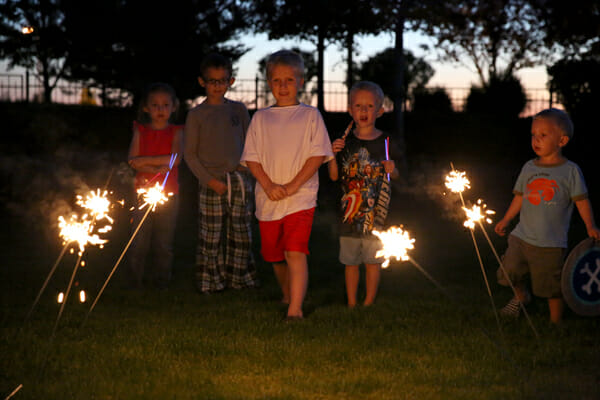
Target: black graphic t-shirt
<point x="365" y="185"/>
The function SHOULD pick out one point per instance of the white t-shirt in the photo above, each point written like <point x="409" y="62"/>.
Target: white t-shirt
<point x="281" y="140"/>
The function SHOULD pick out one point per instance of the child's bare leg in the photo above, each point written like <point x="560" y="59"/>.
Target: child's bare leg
<point x="556" y="306"/>
<point x="352" y="274"/>
<point x="372" y="275"/>
<point x="521" y="293"/>
<point x="298" y="281"/>
<point x="282" y="274"/>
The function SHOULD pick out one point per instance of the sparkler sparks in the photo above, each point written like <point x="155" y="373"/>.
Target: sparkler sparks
<point x="457" y="181"/>
<point x="97" y="204"/>
<point x="396" y="243"/>
<point x="153" y="196"/>
<point x="477" y="213"/>
<point x="79" y="230"/>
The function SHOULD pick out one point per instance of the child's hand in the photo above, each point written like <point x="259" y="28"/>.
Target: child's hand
<point x="338" y="145"/>
<point x="389" y="166"/>
<point x="500" y="227"/>
<point x="276" y="192"/>
<point x="290" y="189"/>
<point x="219" y="187"/>
<point x="594" y="232"/>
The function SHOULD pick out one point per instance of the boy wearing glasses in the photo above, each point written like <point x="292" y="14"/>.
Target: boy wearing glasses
<point x="215" y="132"/>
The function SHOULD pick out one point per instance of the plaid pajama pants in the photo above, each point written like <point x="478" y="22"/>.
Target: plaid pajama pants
<point x="224" y="256"/>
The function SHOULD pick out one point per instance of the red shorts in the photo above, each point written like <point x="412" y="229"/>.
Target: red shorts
<point x="291" y="233"/>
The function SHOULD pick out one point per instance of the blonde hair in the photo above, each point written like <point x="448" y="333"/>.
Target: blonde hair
<point x="369" y="86"/>
<point x="286" y="57"/>
<point x="560" y="118"/>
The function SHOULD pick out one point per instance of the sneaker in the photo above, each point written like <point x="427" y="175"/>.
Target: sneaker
<point x="512" y="309"/>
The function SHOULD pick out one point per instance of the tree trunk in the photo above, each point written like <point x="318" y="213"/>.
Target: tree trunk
<point x="320" y="70"/>
<point x="399" y="93"/>
<point x="350" y="59"/>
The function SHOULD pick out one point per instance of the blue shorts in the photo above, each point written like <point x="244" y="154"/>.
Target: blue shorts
<point x="359" y="250"/>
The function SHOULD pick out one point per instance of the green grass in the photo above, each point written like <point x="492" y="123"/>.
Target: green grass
<point x="414" y="343"/>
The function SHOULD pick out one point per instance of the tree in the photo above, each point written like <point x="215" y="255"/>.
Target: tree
<point x="311" y="20"/>
<point x="380" y="69"/>
<point x="572" y="31"/>
<point x="493" y="37"/>
<point x="124" y="44"/>
<point x="32" y="36"/>
<point x="144" y="43"/>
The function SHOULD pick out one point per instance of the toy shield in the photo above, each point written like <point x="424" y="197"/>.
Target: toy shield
<point x="581" y="278"/>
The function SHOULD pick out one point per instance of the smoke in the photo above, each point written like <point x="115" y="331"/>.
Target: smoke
<point x="427" y="180"/>
<point x="40" y="189"/>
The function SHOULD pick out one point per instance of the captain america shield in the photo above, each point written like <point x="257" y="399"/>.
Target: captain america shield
<point x="581" y="278"/>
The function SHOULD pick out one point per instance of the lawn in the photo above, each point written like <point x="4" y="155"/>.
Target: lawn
<point x="416" y="342"/>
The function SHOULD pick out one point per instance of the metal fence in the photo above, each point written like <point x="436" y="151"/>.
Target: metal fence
<point x="253" y="92"/>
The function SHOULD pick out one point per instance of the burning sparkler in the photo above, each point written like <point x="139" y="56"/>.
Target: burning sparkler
<point x="152" y="197"/>
<point x="477" y="213"/>
<point x="98" y="204"/>
<point x="396" y="243"/>
<point x="457" y="181"/>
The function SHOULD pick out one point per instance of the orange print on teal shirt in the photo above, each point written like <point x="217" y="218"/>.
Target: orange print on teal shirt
<point x="541" y="189"/>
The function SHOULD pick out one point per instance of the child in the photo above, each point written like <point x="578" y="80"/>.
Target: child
<point x="214" y="139"/>
<point x="285" y="146"/>
<point x="545" y="192"/>
<point x="154" y="140"/>
<point x="361" y="155"/>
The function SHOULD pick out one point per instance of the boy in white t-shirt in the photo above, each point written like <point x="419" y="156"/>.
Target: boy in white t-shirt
<point x="285" y="146"/>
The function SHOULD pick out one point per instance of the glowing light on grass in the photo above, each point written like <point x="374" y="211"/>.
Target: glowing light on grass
<point x="60" y="298"/>
<point x="396" y="243"/>
<point x="82" y="296"/>
<point x="477" y="213"/>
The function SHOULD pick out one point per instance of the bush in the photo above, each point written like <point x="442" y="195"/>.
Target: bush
<point x="432" y="101"/>
<point x="503" y="97"/>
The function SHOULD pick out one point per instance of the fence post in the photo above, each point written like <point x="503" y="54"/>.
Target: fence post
<point x="27" y="86"/>
<point x="256" y="93"/>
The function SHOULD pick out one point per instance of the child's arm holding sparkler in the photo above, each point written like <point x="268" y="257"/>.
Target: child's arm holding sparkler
<point x="332" y="165"/>
<point x="274" y="191"/>
<point x="584" y="207"/>
<point x="513" y="210"/>
<point x="337" y="146"/>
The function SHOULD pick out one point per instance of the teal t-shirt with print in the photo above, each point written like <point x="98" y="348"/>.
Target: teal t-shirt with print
<point x="549" y="193"/>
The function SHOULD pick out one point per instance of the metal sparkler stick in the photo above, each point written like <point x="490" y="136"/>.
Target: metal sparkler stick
<point x="485" y="278"/>
<point x="348" y="130"/>
<point x="62" y="306"/>
<point x="14" y="392"/>
<point x="116" y="264"/>
<point x="60" y="256"/>
<point x="509" y="280"/>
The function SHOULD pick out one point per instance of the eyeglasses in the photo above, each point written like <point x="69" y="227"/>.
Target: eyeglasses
<point x="215" y="82"/>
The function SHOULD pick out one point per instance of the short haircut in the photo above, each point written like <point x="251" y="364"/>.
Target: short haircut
<point x="560" y="118"/>
<point x="286" y="57"/>
<point x="216" y="60"/>
<point x="157" y="87"/>
<point x="369" y="86"/>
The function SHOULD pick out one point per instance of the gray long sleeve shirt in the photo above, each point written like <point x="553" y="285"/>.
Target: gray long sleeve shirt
<point x="214" y="139"/>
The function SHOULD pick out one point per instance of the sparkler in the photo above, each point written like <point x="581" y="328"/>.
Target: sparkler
<point x="80" y="230"/>
<point x="348" y="130"/>
<point x="152" y="197"/>
<point x="457" y="182"/>
<point x="396" y="242"/>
